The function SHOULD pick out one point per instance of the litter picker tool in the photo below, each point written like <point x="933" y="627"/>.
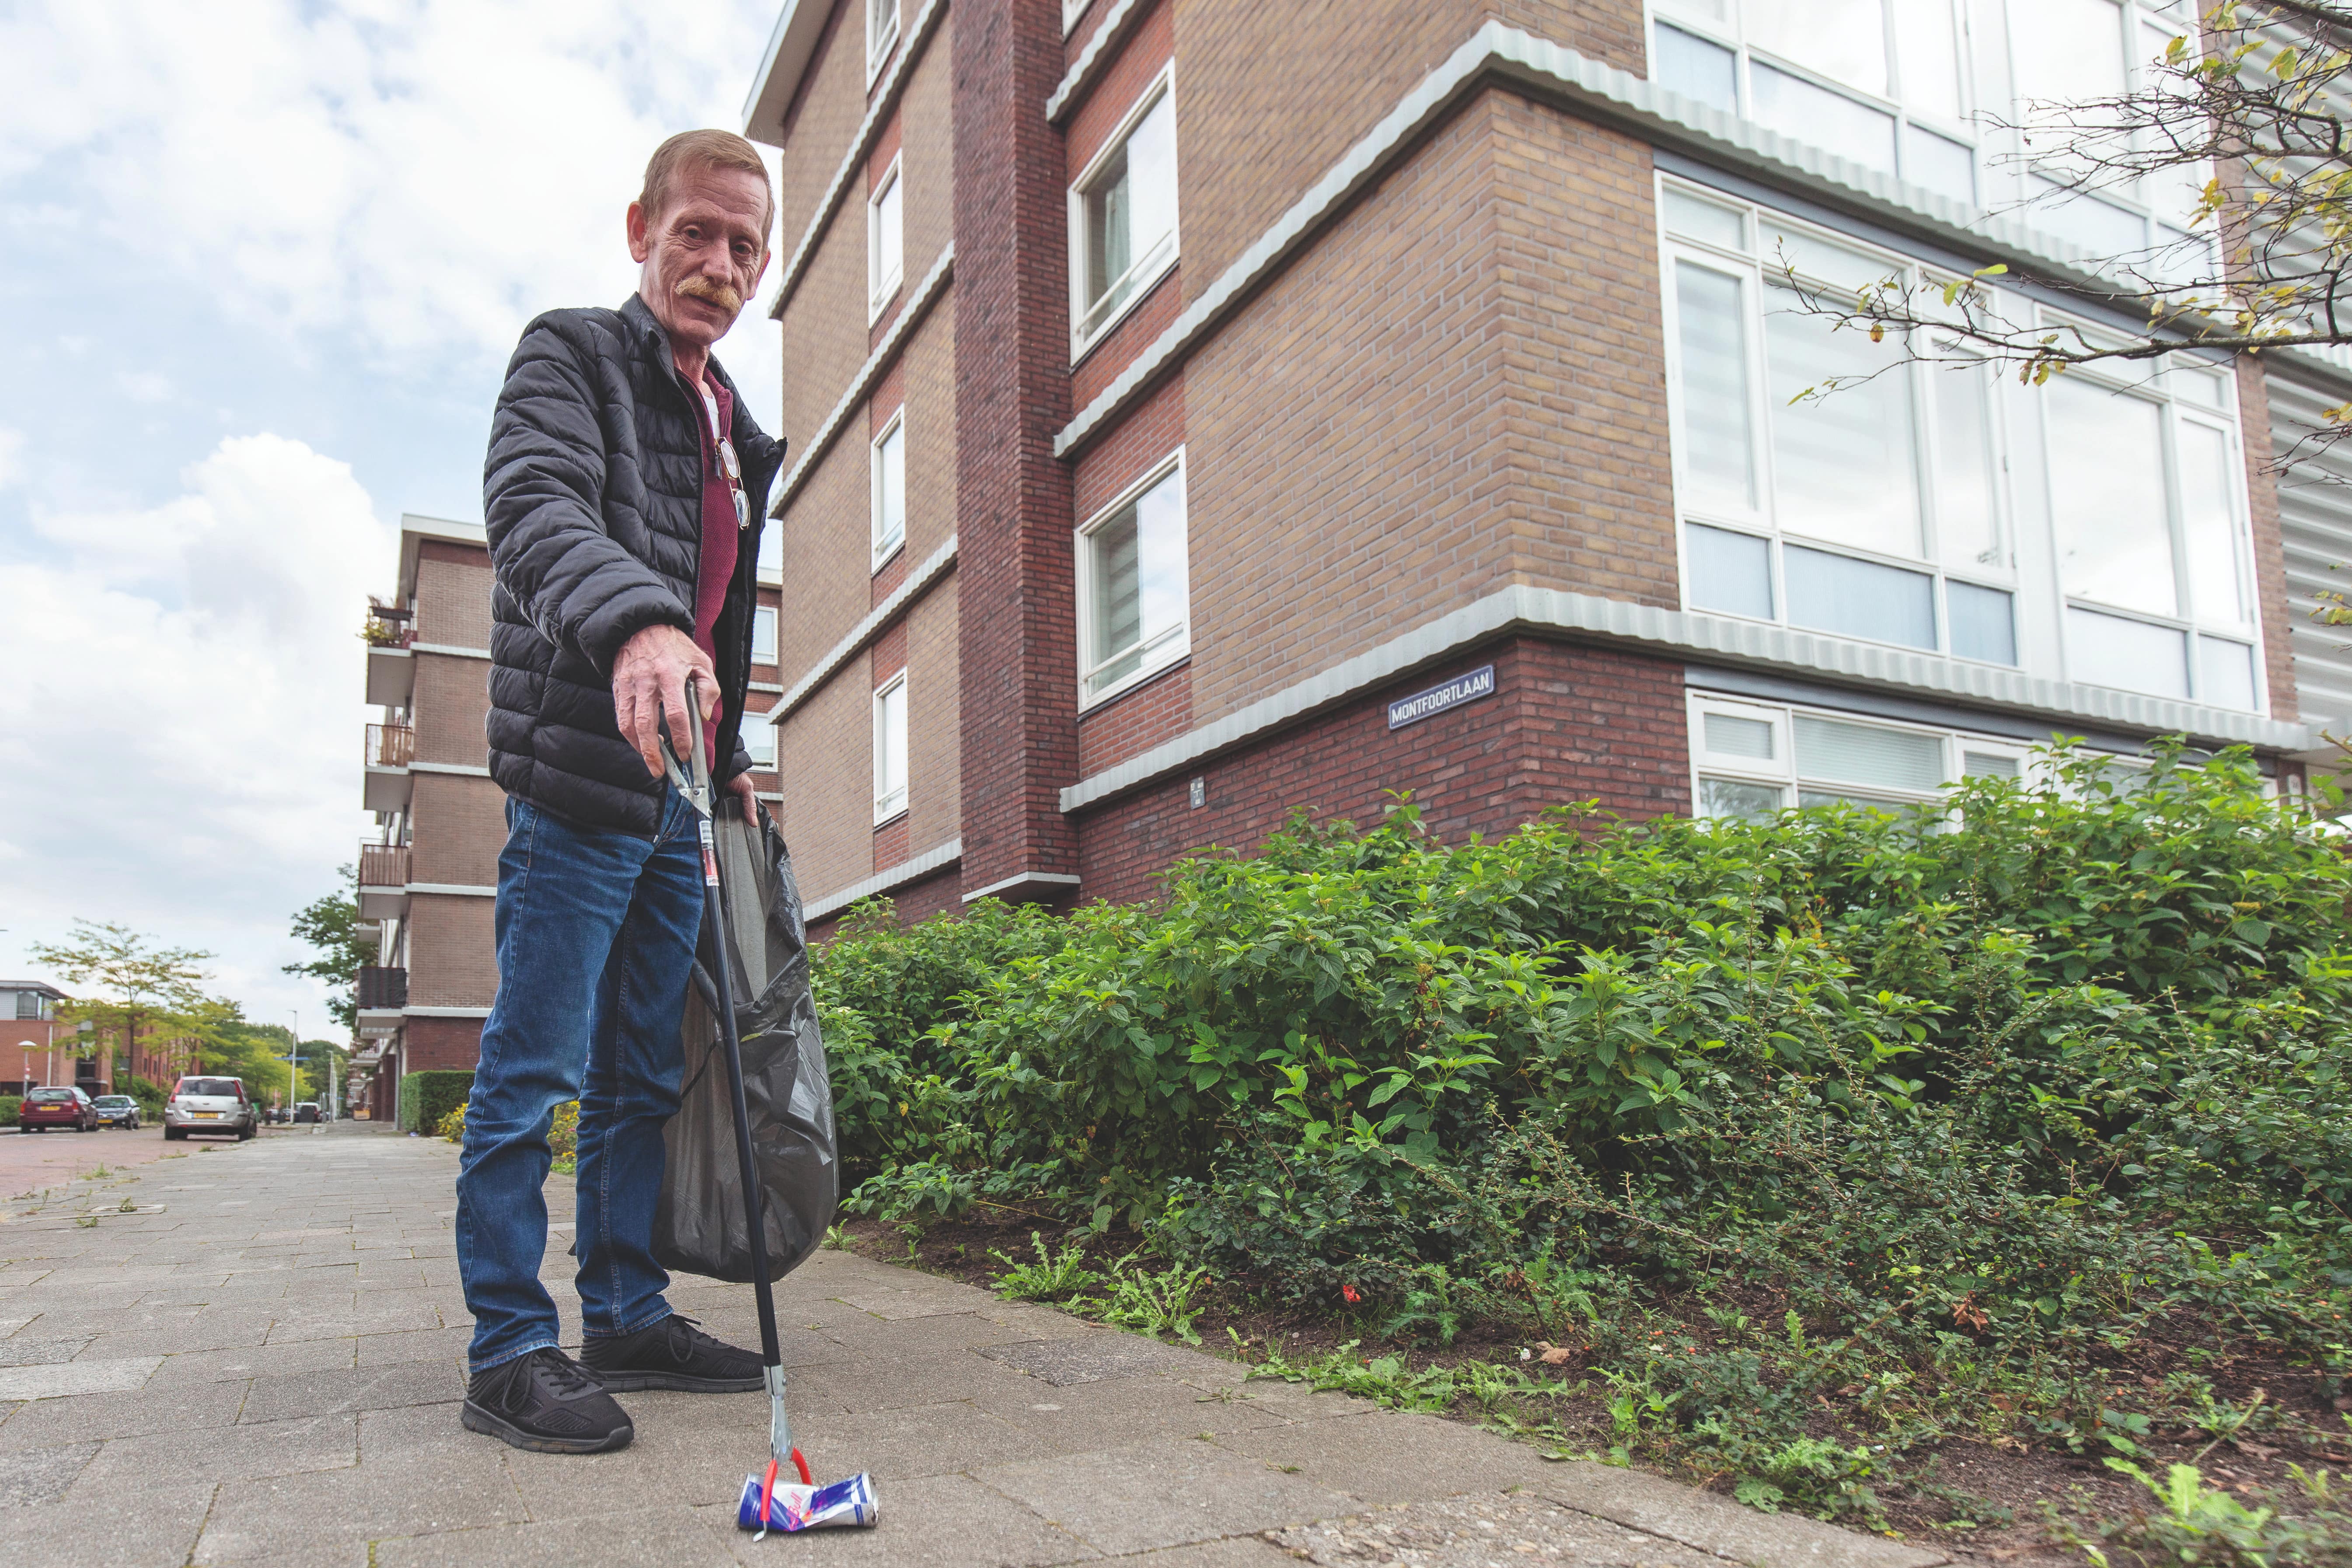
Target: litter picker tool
<point x="767" y="1503"/>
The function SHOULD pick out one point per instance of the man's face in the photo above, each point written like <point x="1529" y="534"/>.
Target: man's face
<point x="702" y="255"/>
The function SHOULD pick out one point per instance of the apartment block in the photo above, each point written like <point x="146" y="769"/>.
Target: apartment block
<point x="1203" y="412"/>
<point x="428" y="880"/>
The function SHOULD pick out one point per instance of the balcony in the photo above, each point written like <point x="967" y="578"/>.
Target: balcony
<point x="383" y="987"/>
<point x="390" y="749"/>
<point x="384" y="881"/>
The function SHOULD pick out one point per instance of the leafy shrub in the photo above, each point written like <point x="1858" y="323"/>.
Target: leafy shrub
<point x="562" y="1134"/>
<point x="150" y="1096"/>
<point x="427" y="1098"/>
<point x="1984" y="1093"/>
<point x="452" y="1126"/>
<point x="8" y="1104"/>
<point x="2195" y="1523"/>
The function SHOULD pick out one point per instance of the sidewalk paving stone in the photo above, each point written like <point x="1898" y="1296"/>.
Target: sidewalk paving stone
<point x="268" y="1373"/>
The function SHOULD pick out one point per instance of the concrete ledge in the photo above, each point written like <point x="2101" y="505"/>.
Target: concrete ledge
<point x="1028" y="888"/>
<point x="1813" y="654"/>
<point x="935" y="859"/>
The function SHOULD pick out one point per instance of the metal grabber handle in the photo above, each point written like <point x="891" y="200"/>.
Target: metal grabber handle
<point x="694" y="784"/>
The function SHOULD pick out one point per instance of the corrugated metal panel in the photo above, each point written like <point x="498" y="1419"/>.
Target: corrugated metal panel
<point x="2315" y="527"/>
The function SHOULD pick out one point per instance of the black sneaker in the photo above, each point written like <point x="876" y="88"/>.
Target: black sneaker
<point x="548" y="1403"/>
<point x="672" y="1353"/>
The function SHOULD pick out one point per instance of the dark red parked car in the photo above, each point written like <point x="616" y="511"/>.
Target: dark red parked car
<point x="46" y="1107"/>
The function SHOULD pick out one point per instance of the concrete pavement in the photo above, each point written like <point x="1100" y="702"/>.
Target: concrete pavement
<point x="254" y="1356"/>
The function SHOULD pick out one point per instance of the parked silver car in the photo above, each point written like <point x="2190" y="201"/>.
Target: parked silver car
<point x="210" y="1105"/>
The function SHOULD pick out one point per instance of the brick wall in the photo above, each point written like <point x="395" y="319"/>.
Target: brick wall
<point x="434" y="1045"/>
<point x="461" y="826"/>
<point x="934" y="753"/>
<point x="1131" y="448"/>
<point x="1136" y="720"/>
<point x="1268" y="96"/>
<point x="1332" y="502"/>
<point x="2270" y="553"/>
<point x="1019" y="741"/>
<point x="926" y="373"/>
<point x="1566" y="723"/>
<point x="828" y="558"/>
<point x="1583" y="430"/>
<point x="927" y="113"/>
<point x="822" y="120"/>
<point x="826" y="749"/>
<point x="450" y="707"/>
<point x="453" y="593"/>
<point x="1124" y="342"/>
<point x="452" y="956"/>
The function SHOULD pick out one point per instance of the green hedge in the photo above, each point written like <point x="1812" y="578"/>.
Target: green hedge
<point x="425" y="1098"/>
<point x="8" y="1104"/>
<point x="150" y="1096"/>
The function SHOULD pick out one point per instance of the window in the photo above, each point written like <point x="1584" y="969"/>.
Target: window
<point x="28" y="1004"/>
<point x="1872" y="513"/>
<point x="759" y="739"/>
<point x="1750" y="759"/>
<point x="2146" y="499"/>
<point x="881" y="36"/>
<point x="890" y="749"/>
<point x="764" y="634"/>
<point x="1133" y="599"/>
<point x="1071" y="11"/>
<point x="889" y="468"/>
<point x="771" y="551"/>
<point x="1123" y="216"/>
<point x="1877" y="81"/>
<point x="885" y="233"/>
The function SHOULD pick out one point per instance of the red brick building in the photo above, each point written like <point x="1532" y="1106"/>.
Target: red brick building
<point x="428" y="880"/>
<point x="1201" y="412"/>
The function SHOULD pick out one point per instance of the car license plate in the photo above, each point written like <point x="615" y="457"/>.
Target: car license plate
<point x="207" y="1116"/>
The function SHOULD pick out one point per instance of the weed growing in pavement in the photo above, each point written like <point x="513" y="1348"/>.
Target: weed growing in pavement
<point x="837" y="1238"/>
<point x="1053" y="1277"/>
<point x="128" y="1206"/>
<point x="1149" y="1304"/>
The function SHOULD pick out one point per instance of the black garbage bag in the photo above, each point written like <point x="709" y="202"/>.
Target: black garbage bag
<point x="700" y="1227"/>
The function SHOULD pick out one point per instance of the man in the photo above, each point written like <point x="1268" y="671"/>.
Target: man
<point x="624" y="496"/>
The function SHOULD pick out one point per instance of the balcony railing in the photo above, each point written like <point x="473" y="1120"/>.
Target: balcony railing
<point x="384" y="865"/>
<point x="391" y="745"/>
<point x="383" y="987"/>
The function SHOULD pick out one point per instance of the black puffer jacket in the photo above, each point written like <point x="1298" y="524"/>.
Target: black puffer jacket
<point x="592" y="499"/>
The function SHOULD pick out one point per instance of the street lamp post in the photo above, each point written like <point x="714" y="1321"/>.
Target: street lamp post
<point x="294" y="1065"/>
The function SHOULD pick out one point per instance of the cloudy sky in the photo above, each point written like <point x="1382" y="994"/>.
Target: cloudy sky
<point x="262" y="263"/>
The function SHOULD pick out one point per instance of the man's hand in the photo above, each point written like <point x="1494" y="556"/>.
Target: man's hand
<point x="649" y="682"/>
<point x="739" y="786"/>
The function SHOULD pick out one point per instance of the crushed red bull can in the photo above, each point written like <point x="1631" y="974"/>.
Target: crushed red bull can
<point x="842" y="1504"/>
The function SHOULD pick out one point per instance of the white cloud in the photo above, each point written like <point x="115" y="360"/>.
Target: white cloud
<point x="179" y="740"/>
<point x="12" y="457"/>
<point x="144" y="385"/>
<point x="423" y="174"/>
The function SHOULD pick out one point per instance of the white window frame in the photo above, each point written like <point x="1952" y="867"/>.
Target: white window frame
<point x="880" y="40"/>
<point x="1174" y="642"/>
<point x="1146" y="270"/>
<point x="743" y="728"/>
<point x="774" y="619"/>
<point x="1782" y="772"/>
<point x="1751" y="266"/>
<point x="880" y="289"/>
<point x="2175" y="409"/>
<point x="889" y="803"/>
<point x="886" y="548"/>
<point x="1726" y="33"/>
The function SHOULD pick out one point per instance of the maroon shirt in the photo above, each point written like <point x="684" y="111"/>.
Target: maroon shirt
<point x="720" y="535"/>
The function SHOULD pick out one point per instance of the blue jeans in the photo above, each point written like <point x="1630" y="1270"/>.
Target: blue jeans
<point x="595" y="934"/>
